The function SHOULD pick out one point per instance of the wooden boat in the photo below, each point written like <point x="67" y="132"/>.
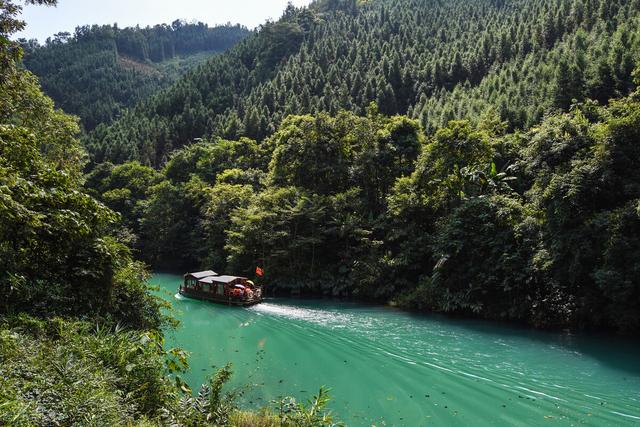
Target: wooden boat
<point x="209" y="285"/>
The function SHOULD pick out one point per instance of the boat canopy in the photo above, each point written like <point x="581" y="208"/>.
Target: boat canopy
<point x="202" y="274"/>
<point x="227" y="279"/>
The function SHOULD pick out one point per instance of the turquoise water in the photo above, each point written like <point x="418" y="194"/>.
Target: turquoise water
<point x="386" y="367"/>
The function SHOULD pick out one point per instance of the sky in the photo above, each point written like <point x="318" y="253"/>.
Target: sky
<point x="43" y="21"/>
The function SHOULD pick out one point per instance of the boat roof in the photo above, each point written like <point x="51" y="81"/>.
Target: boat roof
<point x="202" y="274"/>
<point x="226" y="279"/>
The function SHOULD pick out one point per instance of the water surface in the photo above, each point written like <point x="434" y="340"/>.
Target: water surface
<point x="388" y="367"/>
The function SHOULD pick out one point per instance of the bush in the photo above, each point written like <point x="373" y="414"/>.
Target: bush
<point x="61" y="372"/>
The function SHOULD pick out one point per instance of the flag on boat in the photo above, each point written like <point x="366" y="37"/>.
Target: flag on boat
<point x="259" y="271"/>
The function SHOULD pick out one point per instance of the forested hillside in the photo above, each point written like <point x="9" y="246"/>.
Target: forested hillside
<point x="434" y="61"/>
<point x="470" y="157"/>
<point x="99" y="71"/>
<point x="465" y="157"/>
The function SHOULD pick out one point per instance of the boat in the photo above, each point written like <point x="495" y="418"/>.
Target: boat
<point x="210" y="286"/>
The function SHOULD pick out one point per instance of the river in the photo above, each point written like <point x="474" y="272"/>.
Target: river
<point x="386" y="367"/>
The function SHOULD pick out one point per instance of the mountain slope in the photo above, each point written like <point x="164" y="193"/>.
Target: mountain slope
<point x="100" y="70"/>
<point x="491" y="202"/>
<point x="432" y="60"/>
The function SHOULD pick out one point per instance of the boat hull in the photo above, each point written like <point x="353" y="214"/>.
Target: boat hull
<point x="205" y="296"/>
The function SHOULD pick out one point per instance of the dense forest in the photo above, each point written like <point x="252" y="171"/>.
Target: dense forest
<point x="478" y="158"/>
<point x="432" y="61"/>
<point x="81" y="337"/>
<point x="480" y="165"/>
<point x="99" y="71"/>
<point x="538" y="226"/>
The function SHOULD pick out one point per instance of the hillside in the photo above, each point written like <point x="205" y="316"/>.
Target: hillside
<point x="457" y="157"/>
<point x="434" y="61"/>
<point x="99" y="71"/>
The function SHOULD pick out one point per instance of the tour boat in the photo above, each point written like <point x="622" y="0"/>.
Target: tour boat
<point x="209" y="285"/>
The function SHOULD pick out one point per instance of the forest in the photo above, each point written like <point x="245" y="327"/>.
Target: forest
<point x="476" y="158"/>
<point x="97" y="72"/>
<point x="517" y="151"/>
<point x="432" y="61"/>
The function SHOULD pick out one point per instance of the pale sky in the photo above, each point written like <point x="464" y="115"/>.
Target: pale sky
<point x="43" y="22"/>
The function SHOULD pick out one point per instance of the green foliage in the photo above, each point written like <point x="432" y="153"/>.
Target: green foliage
<point x="58" y="255"/>
<point x="61" y="254"/>
<point x="64" y="372"/>
<point x="189" y="211"/>
<point x="210" y="407"/>
<point x="100" y="70"/>
<point x="282" y="229"/>
<point x="216" y="218"/>
<point x="440" y="170"/>
<point x="262" y="418"/>
<point x="432" y="61"/>
<point x="207" y="159"/>
<point x="169" y="225"/>
<point x="585" y="193"/>
<point x="59" y="372"/>
<point x="479" y="251"/>
<point x="546" y="250"/>
<point x="536" y="227"/>
<point x="311" y="414"/>
<point x="308" y="154"/>
<point x="313" y="226"/>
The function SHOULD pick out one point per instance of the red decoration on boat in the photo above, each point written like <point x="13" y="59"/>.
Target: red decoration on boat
<point x="259" y="271"/>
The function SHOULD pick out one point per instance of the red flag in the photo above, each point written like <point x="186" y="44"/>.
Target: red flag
<point x="259" y="271"/>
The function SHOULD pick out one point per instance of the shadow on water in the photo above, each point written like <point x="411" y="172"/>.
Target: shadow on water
<point x="617" y="352"/>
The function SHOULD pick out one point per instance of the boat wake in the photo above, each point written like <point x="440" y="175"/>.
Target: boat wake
<point x="319" y="317"/>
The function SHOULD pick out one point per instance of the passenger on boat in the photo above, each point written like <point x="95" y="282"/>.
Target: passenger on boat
<point x="238" y="291"/>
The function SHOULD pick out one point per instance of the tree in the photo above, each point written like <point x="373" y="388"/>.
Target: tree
<point x="309" y="153"/>
<point x="568" y="86"/>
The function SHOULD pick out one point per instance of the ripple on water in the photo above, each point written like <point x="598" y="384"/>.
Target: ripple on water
<point x="405" y="370"/>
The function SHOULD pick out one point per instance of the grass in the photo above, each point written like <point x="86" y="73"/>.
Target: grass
<point x="254" y="419"/>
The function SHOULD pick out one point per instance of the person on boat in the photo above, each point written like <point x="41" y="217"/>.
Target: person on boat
<point x="238" y="291"/>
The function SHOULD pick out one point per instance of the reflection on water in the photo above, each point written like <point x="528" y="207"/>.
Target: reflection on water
<point x="387" y="367"/>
